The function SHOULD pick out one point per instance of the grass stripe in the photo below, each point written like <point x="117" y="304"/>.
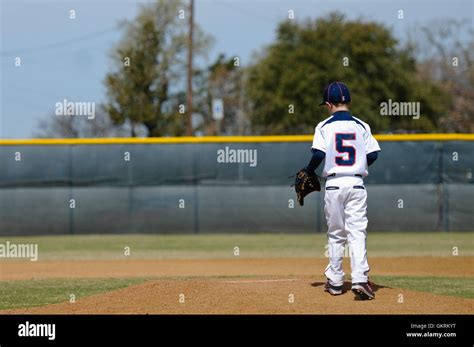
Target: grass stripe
<point x="462" y="287"/>
<point x="39" y="292"/>
<point x="100" y="247"/>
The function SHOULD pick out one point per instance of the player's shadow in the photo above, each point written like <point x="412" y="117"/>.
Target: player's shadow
<point x="346" y="287"/>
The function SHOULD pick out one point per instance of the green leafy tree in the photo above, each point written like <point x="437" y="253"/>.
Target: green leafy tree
<point x="307" y="56"/>
<point x="145" y="87"/>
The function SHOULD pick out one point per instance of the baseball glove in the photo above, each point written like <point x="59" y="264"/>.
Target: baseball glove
<point x="305" y="183"/>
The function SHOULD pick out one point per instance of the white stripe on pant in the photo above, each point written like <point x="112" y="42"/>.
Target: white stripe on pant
<point x="346" y="216"/>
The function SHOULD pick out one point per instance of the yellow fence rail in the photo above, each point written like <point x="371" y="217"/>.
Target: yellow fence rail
<point x="222" y="139"/>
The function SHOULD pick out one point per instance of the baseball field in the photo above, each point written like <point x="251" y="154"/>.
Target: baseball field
<point x="413" y="273"/>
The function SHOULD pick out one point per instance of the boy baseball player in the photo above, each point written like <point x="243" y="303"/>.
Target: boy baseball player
<point x="348" y="147"/>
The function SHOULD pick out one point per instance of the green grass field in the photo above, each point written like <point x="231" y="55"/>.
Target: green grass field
<point x="81" y="247"/>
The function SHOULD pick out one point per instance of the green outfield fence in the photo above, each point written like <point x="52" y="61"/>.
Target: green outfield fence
<point x="177" y="185"/>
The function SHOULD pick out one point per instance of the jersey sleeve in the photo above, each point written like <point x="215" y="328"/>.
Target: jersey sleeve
<point x="318" y="140"/>
<point x="371" y="144"/>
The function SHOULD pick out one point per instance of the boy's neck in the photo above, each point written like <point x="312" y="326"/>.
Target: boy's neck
<point x="339" y="108"/>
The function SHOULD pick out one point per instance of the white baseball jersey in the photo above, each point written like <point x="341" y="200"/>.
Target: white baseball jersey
<point x="346" y="140"/>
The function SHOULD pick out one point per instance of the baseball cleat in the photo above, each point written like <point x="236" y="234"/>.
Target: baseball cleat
<point x="333" y="290"/>
<point x="363" y="291"/>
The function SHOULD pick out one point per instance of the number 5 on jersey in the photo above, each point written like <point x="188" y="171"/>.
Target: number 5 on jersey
<point x="349" y="157"/>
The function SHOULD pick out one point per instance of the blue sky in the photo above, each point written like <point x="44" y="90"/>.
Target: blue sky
<point x="63" y="58"/>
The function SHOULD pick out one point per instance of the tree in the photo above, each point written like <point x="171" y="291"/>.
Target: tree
<point x="446" y="54"/>
<point x="149" y="67"/>
<point x="293" y="71"/>
<point x="225" y="82"/>
<point x="71" y="126"/>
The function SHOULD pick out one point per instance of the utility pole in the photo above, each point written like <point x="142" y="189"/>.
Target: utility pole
<point x="190" y="70"/>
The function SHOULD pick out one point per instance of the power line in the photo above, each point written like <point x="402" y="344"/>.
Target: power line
<point x="36" y="92"/>
<point x="14" y="52"/>
<point x="247" y="12"/>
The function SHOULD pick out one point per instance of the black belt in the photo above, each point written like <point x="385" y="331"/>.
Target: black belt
<point x="336" y="187"/>
<point x="333" y="175"/>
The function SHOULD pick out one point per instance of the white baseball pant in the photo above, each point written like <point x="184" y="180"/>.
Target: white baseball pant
<point x="345" y="208"/>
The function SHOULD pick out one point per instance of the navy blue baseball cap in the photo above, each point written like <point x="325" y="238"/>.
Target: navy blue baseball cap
<point x="336" y="93"/>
